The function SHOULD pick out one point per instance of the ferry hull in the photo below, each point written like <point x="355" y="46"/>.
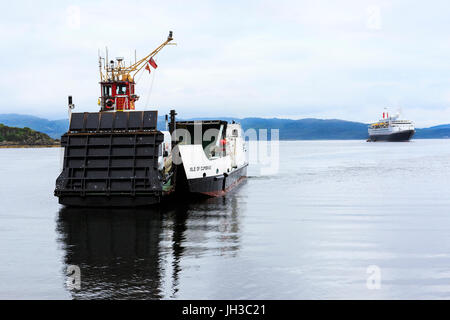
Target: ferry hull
<point x="217" y="185"/>
<point x="111" y="160"/>
<point x="395" y="137"/>
<point x="109" y="201"/>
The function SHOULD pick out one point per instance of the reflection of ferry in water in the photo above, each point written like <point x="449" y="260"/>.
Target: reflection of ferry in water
<point x="122" y="252"/>
<point x="118" y="157"/>
<point x="391" y="129"/>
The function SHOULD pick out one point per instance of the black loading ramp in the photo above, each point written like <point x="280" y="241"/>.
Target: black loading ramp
<point x="111" y="159"/>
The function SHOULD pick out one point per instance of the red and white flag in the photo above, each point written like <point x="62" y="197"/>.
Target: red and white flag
<point x="152" y="63"/>
<point x="147" y="67"/>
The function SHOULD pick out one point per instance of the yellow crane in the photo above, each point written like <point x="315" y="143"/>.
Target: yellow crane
<point x="119" y="72"/>
<point x="117" y="80"/>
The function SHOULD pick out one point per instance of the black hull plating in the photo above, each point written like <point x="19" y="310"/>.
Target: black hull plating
<point x="111" y="160"/>
<point x="109" y="201"/>
<point x="401" y="136"/>
<point x="209" y="186"/>
<point x="217" y="185"/>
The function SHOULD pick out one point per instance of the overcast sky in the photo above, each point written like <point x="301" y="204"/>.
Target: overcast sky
<point x="290" y="59"/>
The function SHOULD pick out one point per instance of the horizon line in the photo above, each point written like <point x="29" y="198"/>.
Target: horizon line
<point x="230" y="117"/>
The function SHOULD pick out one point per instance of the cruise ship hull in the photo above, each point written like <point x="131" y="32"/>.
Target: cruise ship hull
<point x="397" y="136"/>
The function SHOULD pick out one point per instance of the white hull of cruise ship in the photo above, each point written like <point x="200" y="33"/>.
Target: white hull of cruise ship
<point x="391" y="129"/>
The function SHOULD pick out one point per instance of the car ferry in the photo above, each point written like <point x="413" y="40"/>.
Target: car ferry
<point x="118" y="156"/>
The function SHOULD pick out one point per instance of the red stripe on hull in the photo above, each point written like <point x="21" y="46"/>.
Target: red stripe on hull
<point x="219" y="193"/>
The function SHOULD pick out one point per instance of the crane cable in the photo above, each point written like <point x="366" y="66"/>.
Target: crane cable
<point x="151" y="84"/>
<point x="151" y="87"/>
<point x="140" y="76"/>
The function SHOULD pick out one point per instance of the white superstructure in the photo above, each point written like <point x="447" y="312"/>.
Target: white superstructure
<point x="391" y="128"/>
<point x="217" y="160"/>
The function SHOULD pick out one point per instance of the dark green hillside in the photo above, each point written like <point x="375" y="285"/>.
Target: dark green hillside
<point x="23" y="137"/>
<point x="54" y="128"/>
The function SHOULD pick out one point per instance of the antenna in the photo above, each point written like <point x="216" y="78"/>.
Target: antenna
<point x="107" y="64"/>
<point x="100" y="65"/>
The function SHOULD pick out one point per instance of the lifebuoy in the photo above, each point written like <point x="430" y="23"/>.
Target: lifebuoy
<point x="109" y="104"/>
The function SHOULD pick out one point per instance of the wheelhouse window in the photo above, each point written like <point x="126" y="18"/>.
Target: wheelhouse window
<point x="107" y="91"/>
<point x="121" y="89"/>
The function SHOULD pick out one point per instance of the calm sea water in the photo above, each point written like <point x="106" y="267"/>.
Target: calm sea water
<point x="308" y="232"/>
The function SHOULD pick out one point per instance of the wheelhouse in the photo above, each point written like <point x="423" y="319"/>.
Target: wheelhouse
<point x="117" y="95"/>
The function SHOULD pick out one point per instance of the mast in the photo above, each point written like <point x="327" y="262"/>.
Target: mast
<point x="117" y="79"/>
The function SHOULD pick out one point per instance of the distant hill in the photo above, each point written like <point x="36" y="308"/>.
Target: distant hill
<point x="436" y="132"/>
<point x="309" y="129"/>
<point x="23" y="136"/>
<point x="54" y="128"/>
<point x="303" y="129"/>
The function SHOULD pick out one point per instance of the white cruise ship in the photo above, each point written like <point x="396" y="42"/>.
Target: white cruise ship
<point x="391" y="129"/>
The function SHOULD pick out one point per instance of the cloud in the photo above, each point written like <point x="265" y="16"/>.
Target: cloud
<point x="346" y="59"/>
